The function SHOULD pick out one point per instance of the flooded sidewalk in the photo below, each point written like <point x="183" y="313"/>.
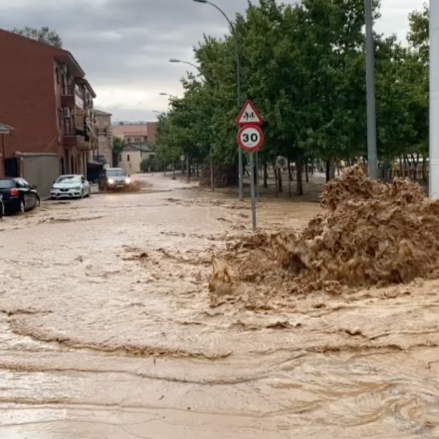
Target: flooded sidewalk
<point x="107" y="331"/>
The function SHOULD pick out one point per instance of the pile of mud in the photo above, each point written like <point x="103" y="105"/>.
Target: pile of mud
<point x="370" y="234"/>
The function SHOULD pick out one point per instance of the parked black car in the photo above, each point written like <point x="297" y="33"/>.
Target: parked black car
<point x="18" y="195"/>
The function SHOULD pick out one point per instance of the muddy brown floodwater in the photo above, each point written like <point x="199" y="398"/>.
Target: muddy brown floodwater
<point x="107" y="331"/>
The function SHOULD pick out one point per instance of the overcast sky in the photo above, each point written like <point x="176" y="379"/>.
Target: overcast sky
<point x="124" y="45"/>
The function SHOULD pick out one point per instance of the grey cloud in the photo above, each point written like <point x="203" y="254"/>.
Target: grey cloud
<point x="126" y="44"/>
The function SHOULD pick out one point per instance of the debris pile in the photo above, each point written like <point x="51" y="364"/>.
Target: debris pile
<point x="370" y="234"/>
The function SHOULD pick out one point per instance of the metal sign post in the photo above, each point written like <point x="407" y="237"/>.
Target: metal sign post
<point x="257" y="175"/>
<point x="250" y="139"/>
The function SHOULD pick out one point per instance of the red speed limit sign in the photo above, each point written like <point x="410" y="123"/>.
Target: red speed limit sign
<point x="250" y="138"/>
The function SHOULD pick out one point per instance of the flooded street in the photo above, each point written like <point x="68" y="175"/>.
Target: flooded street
<point x="107" y="331"/>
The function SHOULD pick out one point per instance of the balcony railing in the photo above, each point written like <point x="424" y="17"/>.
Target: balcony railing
<point x="74" y="140"/>
<point x="72" y="96"/>
<point x="68" y="130"/>
<point x="78" y="92"/>
<point x="68" y="90"/>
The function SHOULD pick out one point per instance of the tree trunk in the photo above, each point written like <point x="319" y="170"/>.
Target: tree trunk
<point x="265" y="175"/>
<point x="279" y="175"/>
<point x="289" y="178"/>
<point x="275" y="180"/>
<point x="299" y="169"/>
<point x="332" y="169"/>
<point x="188" y="165"/>
<point x="306" y="171"/>
<point x="173" y="170"/>
<point x="290" y="172"/>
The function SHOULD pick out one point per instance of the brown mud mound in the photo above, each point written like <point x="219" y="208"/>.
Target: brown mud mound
<point x="370" y="234"/>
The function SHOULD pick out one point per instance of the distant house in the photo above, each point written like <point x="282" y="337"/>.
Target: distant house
<point x="131" y="132"/>
<point x="136" y="132"/>
<point x="132" y="156"/>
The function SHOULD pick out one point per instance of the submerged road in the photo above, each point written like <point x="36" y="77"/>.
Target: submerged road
<point x="106" y="332"/>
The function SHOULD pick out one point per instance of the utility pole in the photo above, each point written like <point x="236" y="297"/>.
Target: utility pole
<point x="372" y="160"/>
<point x="238" y="88"/>
<point x="434" y="100"/>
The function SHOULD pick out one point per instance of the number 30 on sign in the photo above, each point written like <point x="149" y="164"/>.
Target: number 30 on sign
<point x="250" y="138"/>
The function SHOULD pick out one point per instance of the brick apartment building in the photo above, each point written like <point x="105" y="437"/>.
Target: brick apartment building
<point x="45" y="96"/>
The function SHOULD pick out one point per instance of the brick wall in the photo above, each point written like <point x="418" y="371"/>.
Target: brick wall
<point x="27" y="94"/>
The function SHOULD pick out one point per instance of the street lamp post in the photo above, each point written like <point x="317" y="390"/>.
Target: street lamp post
<point x="238" y="86"/>
<point x="434" y="100"/>
<point x="174" y="60"/>
<point x="372" y="164"/>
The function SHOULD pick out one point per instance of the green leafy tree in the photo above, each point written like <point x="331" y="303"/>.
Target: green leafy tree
<point x="117" y="145"/>
<point x="417" y="76"/>
<point x="43" y="34"/>
<point x="418" y="36"/>
<point x="117" y="149"/>
<point x="303" y="66"/>
<point x="149" y="164"/>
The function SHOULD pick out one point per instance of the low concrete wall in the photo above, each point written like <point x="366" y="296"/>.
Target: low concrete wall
<point x="41" y="170"/>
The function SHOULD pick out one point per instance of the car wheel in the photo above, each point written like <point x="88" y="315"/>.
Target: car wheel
<point x="22" y="206"/>
<point x="89" y="192"/>
<point x="82" y="193"/>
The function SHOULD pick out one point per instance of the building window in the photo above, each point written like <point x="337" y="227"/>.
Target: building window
<point x="120" y="157"/>
<point x="128" y="157"/>
<point x="57" y="75"/>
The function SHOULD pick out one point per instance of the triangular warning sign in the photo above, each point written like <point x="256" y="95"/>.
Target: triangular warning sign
<point x="249" y="114"/>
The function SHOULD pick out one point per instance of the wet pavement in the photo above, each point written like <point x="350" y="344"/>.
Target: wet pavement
<point x="106" y="332"/>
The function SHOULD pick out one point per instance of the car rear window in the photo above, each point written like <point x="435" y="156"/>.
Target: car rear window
<point x="68" y="178"/>
<point x="6" y="184"/>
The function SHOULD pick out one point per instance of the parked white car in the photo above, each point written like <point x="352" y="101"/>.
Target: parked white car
<point x="70" y="186"/>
